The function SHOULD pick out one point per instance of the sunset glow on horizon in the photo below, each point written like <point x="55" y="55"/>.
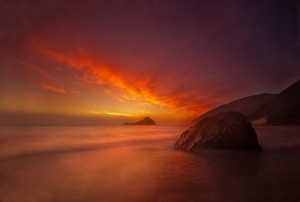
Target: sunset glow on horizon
<point x="122" y="61"/>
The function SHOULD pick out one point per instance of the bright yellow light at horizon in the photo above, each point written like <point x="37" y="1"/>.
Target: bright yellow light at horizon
<point x="111" y="113"/>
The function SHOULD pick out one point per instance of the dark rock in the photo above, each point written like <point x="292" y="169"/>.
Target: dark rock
<point x="226" y="130"/>
<point x="274" y="109"/>
<point x="146" y="121"/>
<point x="284" y="108"/>
<point x="245" y="106"/>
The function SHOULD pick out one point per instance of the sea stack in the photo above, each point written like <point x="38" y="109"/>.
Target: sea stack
<point x="146" y="121"/>
<point x="225" y="130"/>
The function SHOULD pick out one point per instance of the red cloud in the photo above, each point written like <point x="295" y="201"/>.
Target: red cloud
<point x="53" y="88"/>
<point x="28" y="65"/>
<point x="126" y="85"/>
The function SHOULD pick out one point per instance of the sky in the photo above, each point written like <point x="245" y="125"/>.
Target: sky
<point x="111" y="61"/>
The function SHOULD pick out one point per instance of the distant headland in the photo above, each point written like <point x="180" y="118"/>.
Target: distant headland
<point x="146" y="121"/>
<point x="272" y="109"/>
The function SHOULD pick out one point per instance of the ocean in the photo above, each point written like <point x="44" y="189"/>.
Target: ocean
<point x="138" y="163"/>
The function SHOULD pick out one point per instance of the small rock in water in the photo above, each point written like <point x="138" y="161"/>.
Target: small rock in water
<point x="146" y="121"/>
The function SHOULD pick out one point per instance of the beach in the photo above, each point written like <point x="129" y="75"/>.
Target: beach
<point x="138" y="163"/>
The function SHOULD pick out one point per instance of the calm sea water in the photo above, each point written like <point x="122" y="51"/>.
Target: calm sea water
<point x="138" y="163"/>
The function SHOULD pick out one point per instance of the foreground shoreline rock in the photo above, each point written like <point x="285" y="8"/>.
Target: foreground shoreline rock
<point x="146" y="121"/>
<point x="225" y="130"/>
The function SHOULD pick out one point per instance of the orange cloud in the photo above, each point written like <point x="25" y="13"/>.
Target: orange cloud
<point x="96" y="72"/>
<point x="53" y="88"/>
<point x="124" y="85"/>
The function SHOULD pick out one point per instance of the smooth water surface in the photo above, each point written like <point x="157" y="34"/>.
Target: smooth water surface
<point x="138" y="163"/>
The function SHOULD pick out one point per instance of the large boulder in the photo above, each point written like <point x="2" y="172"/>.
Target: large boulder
<point x="225" y="130"/>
